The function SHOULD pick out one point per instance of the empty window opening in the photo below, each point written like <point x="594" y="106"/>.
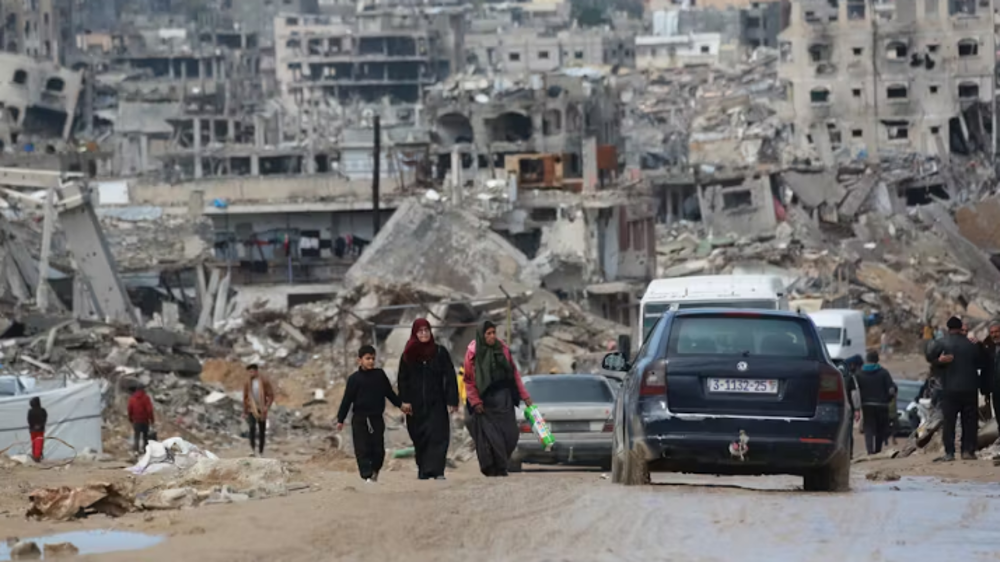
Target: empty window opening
<point x="543" y="55"/>
<point x="935" y="130"/>
<point x="737" y="199"/>
<point x="856" y="10"/>
<point x="896" y="92"/>
<point x="514" y="57"/>
<point x="704" y="49"/>
<point x="820" y="52"/>
<point x="858" y="51"/>
<point x="819" y="95"/>
<point x="896" y="51"/>
<point x="968" y="90"/>
<point x="934" y="89"/>
<point x="968" y="48"/>
<point x="962" y="7"/>
<point x="20" y="77"/>
<point x="578" y="55"/>
<point x="897" y="130"/>
<point x="811" y="17"/>
<point x="55" y="84"/>
<point x="857" y="133"/>
<point x="856" y="92"/>
<point x="933" y="48"/>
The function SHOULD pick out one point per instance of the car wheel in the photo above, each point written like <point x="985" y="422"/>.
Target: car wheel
<point x="635" y="470"/>
<point x="835" y="477"/>
<point x="514" y="465"/>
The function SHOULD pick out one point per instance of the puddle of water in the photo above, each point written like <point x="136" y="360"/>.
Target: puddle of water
<point x="92" y="542"/>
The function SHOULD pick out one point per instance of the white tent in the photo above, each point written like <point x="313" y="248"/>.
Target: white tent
<point x="74" y="416"/>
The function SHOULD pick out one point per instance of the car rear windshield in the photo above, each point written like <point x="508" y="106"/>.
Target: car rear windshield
<point x="741" y="335"/>
<point x="550" y="389"/>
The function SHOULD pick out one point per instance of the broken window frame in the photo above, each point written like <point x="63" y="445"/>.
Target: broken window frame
<point x="737" y="199"/>
<point x="893" y="91"/>
<point x="825" y="95"/>
<point x="970" y="48"/>
<point x="898" y="131"/>
<point x="968" y="91"/>
<point x="892" y="51"/>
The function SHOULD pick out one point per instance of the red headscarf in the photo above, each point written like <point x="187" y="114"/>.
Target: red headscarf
<point x="415" y="349"/>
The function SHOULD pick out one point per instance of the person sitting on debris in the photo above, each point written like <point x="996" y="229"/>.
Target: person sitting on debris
<point x="958" y="362"/>
<point x="258" y="395"/>
<point x="877" y="391"/>
<point x="140" y="414"/>
<point x="367" y="390"/>
<point x="37" y="418"/>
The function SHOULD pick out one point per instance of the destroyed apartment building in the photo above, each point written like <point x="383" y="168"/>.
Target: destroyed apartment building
<point x="869" y="83"/>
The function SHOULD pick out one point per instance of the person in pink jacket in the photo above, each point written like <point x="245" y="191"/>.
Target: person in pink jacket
<point x="493" y="388"/>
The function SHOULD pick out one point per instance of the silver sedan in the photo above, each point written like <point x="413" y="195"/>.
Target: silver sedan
<point x="578" y="411"/>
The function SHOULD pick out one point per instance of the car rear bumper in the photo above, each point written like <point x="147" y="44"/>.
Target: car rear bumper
<point x="773" y="446"/>
<point x="566" y="449"/>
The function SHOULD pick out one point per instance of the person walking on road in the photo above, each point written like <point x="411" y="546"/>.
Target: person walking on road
<point x="258" y="395"/>
<point x="367" y="390"/>
<point x="877" y="390"/>
<point x="494" y="387"/>
<point x="959" y="362"/>
<point x="140" y="414"/>
<point x="37" y="418"/>
<point x="429" y="391"/>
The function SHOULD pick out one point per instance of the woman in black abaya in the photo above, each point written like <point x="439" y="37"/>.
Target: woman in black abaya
<point x="429" y="391"/>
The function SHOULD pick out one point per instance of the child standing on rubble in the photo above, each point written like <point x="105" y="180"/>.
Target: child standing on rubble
<point x="37" y="418"/>
<point x="367" y="390"/>
<point x="140" y="413"/>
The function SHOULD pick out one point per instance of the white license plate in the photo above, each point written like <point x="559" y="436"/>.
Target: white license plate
<point x="743" y="386"/>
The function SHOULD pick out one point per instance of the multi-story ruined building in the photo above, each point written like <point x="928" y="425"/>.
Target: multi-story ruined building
<point x="519" y="51"/>
<point x="392" y="54"/>
<point x="871" y="80"/>
<point x="535" y="132"/>
<point x="38" y="28"/>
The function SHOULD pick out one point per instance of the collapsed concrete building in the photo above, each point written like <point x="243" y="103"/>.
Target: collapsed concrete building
<point x="41" y="29"/>
<point x="511" y="126"/>
<point x="38" y="100"/>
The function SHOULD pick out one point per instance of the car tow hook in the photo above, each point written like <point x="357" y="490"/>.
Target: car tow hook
<point x="739" y="449"/>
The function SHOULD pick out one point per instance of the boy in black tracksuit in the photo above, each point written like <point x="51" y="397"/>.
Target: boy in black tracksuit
<point x="367" y="390"/>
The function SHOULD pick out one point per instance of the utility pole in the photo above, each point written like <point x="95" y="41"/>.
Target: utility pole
<point x="376" y="223"/>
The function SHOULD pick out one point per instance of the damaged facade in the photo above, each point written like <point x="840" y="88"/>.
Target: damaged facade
<point x="875" y="81"/>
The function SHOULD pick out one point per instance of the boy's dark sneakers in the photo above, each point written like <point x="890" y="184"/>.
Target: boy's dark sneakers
<point x="423" y="477"/>
<point x="969" y="457"/>
<point x="439" y="478"/>
<point x="946" y="458"/>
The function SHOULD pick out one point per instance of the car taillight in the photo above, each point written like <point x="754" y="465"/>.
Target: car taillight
<point x="525" y="427"/>
<point x="654" y="380"/>
<point x="831" y="385"/>
<point x="609" y="426"/>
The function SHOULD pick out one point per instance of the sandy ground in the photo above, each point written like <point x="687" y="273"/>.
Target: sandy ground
<point x="553" y="514"/>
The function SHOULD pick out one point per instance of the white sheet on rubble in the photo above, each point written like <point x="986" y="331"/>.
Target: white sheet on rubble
<point x="156" y="458"/>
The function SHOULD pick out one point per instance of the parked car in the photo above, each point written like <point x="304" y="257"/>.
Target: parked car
<point x="578" y="411"/>
<point x="732" y="392"/>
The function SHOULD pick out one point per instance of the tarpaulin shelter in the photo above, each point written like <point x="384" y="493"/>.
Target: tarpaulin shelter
<point x="74" y="417"/>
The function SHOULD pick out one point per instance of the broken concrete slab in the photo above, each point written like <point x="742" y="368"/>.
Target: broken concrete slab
<point x="183" y="365"/>
<point x="814" y="190"/>
<point x="857" y="196"/>
<point x="980" y="224"/>
<point x="425" y="245"/>
<point x="65" y="503"/>
<point x="161" y="337"/>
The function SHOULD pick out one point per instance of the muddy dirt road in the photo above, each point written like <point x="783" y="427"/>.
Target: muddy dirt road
<point x="573" y="515"/>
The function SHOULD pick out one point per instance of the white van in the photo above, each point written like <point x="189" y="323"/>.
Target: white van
<point x="842" y="330"/>
<point x="765" y="292"/>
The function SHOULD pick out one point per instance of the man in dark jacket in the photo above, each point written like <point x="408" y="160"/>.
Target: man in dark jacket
<point x="877" y="391"/>
<point x="959" y="361"/>
<point x="37" y="418"/>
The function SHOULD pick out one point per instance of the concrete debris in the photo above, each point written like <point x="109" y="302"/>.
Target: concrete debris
<point x="65" y="503"/>
<point x="60" y="550"/>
